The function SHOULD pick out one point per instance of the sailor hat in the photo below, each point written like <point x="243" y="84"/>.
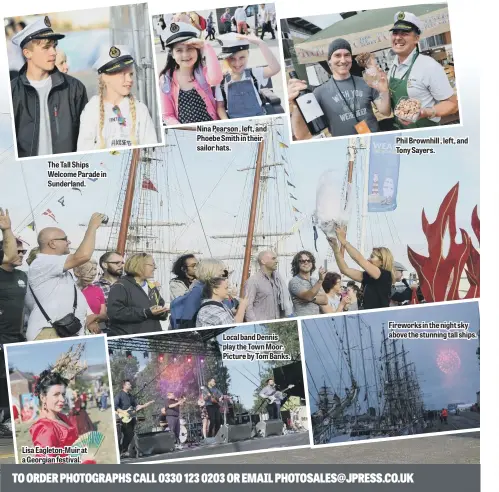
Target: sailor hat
<point x="39" y="29"/>
<point x="177" y="32"/>
<point x="114" y="59"/>
<point x="230" y="45"/>
<point x="406" y="21"/>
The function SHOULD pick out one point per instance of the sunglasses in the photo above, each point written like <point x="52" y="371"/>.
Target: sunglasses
<point x="22" y="251"/>
<point x="65" y="238"/>
<point x="116" y="262"/>
<point x="304" y="261"/>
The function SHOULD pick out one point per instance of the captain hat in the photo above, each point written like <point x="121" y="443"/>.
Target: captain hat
<point x="407" y="21"/>
<point x="178" y="32"/>
<point x="114" y="59"/>
<point x="41" y="28"/>
<point x="231" y="44"/>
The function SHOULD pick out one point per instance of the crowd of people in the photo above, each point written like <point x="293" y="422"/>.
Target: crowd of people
<point x="63" y="295"/>
<point x="52" y="113"/>
<point x="347" y="100"/>
<point x="195" y="87"/>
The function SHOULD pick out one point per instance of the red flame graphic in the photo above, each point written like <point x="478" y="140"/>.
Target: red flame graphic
<point x="439" y="275"/>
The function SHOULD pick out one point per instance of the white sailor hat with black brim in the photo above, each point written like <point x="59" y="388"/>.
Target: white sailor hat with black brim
<point x="114" y="60"/>
<point x="177" y="32"/>
<point x="231" y="45"/>
<point x="407" y="22"/>
<point x="39" y="29"/>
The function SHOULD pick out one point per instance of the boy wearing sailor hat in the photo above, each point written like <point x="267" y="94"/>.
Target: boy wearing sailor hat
<point x="114" y="118"/>
<point x="47" y="103"/>
<point x="417" y="76"/>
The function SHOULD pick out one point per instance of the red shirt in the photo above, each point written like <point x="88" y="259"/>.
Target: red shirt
<point x="95" y="297"/>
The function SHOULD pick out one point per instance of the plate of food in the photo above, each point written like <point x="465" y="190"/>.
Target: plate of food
<point x="408" y="110"/>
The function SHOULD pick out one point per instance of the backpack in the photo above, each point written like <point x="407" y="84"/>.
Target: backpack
<point x="183" y="309"/>
<point x="213" y="303"/>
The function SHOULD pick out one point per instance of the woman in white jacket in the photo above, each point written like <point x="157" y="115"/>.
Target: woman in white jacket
<point x="114" y="118"/>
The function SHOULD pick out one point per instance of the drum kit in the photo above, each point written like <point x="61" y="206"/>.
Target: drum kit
<point x="299" y="418"/>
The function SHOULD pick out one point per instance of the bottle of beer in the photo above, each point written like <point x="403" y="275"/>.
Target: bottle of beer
<point x="310" y="110"/>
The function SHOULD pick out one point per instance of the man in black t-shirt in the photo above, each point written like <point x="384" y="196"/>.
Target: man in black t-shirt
<point x="173" y="415"/>
<point x="125" y="406"/>
<point x="163" y="422"/>
<point x="13" y="285"/>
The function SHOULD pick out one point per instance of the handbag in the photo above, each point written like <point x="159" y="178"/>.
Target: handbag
<point x="67" y="326"/>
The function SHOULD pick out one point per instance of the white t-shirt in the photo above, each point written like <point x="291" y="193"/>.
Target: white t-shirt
<point x="43" y="88"/>
<point x="257" y="73"/>
<point x="427" y="81"/>
<point x="334" y="302"/>
<point x="115" y="134"/>
<point x="240" y="15"/>
<point x="53" y="288"/>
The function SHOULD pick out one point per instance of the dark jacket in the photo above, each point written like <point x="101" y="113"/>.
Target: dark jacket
<point x="66" y="101"/>
<point x="128" y="308"/>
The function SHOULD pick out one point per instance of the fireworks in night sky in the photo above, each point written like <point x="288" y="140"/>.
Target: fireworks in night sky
<point x="448" y="361"/>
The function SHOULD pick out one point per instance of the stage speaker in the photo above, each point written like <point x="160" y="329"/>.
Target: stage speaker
<point x="233" y="433"/>
<point x="267" y="428"/>
<point x="156" y="442"/>
<point x="290" y="374"/>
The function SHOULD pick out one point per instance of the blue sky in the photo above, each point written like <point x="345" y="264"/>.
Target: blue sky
<point x="36" y="357"/>
<point x="439" y="389"/>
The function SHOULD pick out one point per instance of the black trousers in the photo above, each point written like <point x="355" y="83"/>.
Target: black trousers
<point x="267" y="27"/>
<point x="215" y="419"/>
<point x="174" y="426"/>
<point x="128" y="432"/>
<point x="273" y="411"/>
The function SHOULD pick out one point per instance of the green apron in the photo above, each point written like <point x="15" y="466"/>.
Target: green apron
<point x="398" y="90"/>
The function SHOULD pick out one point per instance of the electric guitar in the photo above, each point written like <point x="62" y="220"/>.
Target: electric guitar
<point x="127" y="416"/>
<point x="278" y="395"/>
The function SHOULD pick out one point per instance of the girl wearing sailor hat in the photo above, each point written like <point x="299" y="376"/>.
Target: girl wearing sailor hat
<point x="186" y="81"/>
<point x="238" y="94"/>
<point x="114" y="118"/>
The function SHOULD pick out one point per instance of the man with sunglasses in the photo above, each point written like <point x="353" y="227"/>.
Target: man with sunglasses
<point x="52" y="283"/>
<point x="13" y="284"/>
<point x="112" y="265"/>
<point x="306" y="291"/>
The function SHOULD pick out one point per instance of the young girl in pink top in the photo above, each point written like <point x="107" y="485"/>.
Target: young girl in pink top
<point x="186" y="81"/>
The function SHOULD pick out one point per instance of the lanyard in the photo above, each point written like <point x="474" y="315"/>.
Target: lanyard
<point x="354" y="112"/>
<point x="408" y="71"/>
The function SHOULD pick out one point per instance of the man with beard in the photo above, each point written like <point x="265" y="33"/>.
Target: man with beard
<point x="418" y="76"/>
<point x="112" y="264"/>
<point x="306" y="291"/>
<point x="345" y="99"/>
<point x="47" y="103"/>
<point x="51" y="284"/>
<point x="13" y="284"/>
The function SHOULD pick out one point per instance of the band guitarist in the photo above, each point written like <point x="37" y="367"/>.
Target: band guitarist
<point x="211" y="396"/>
<point x="269" y="393"/>
<point x="125" y="407"/>
<point x="173" y="416"/>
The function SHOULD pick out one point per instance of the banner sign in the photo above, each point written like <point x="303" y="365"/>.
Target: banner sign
<point x="436" y="22"/>
<point x="292" y="478"/>
<point x="384" y="165"/>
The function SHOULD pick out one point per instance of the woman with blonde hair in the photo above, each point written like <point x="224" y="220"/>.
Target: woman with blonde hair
<point x="134" y="304"/>
<point x="114" y="118"/>
<point x="61" y="61"/>
<point x="377" y="276"/>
